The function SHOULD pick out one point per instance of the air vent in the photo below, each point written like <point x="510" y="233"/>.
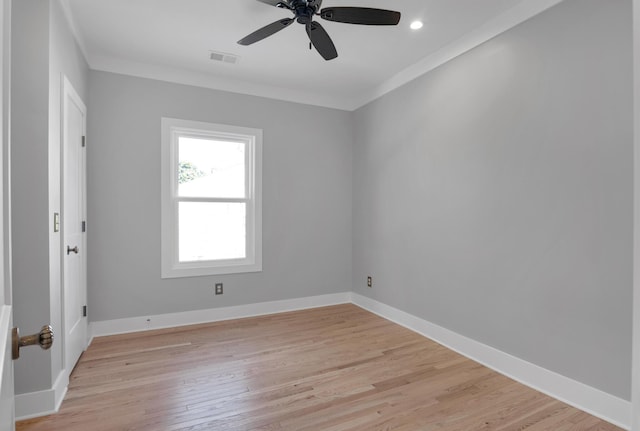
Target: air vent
<point x="224" y="57"/>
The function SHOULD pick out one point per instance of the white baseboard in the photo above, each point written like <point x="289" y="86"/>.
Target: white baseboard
<point x="35" y="404"/>
<point x="42" y="403"/>
<point x="171" y="320"/>
<point x="598" y="403"/>
<point x="586" y="398"/>
<point x="60" y="387"/>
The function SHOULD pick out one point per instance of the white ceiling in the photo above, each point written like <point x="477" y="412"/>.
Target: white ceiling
<point x="172" y="39"/>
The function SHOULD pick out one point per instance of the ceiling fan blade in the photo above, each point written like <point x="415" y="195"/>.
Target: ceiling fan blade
<point x="361" y="15"/>
<point x="266" y="31"/>
<point x="271" y="2"/>
<point x="321" y="41"/>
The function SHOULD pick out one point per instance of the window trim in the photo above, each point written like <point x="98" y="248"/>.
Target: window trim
<point x="172" y="128"/>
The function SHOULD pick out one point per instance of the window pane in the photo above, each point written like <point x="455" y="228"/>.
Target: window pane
<point x="209" y="168"/>
<point x="211" y="231"/>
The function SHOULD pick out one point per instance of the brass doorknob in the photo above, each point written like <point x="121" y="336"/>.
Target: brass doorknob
<point x="44" y="339"/>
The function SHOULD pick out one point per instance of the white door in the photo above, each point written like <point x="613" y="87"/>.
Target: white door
<point x="74" y="226"/>
<point x="6" y="323"/>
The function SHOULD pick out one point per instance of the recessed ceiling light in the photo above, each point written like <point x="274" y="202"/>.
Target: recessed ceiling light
<point x="416" y="25"/>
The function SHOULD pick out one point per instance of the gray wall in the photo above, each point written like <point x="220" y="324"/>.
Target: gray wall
<point x="493" y="196"/>
<point x="29" y="182"/>
<point x="307" y="166"/>
<point x="43" y="49"/>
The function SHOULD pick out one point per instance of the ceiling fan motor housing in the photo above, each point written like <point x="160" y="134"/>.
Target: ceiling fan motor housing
<point x="304" y="12"/>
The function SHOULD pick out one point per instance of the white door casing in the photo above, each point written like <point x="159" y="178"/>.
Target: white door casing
<point x="74" y="114"/>
<point x="6" y="369"/>
<point x="635" y="380"/>
<point x="7" y="402"/>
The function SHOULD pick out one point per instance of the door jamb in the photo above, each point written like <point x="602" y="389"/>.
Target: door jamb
<point x="68" y="89"/>
<point x="635" y="380"/>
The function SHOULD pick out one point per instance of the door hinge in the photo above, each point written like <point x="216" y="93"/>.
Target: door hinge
<point x="84" y="311"/>
<point x="84" y="141"/>
<point x="84" y="226"/>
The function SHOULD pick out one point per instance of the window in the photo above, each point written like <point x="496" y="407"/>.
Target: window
<point x="211" y="199"/>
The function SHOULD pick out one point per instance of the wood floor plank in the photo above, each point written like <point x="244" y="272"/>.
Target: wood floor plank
<point x="336" y="368"/>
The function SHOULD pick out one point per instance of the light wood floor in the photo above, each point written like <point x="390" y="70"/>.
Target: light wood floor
<point x="328" y="369"/>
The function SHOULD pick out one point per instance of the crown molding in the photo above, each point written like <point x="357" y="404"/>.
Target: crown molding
<point x="66" y="9"/>
<point x="215" y="82"/>
<point x="520" y="13"/>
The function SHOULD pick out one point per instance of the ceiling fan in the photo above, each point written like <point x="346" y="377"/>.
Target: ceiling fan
<point x="305" y="10"/>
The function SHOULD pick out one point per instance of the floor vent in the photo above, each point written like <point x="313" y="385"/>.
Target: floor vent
<point x="224" y="57"/>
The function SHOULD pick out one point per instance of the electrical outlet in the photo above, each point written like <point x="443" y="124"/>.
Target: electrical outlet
<point x="369" y="281"/>
<point x="219" y="290"/>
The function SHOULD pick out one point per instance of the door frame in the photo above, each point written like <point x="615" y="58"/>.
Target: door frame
<point x="7" y="414"/>
<point x="69" y="92"/>
<point x="635" y="380"/>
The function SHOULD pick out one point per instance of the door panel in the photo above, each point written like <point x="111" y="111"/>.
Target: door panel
<point x="74" y="246"/>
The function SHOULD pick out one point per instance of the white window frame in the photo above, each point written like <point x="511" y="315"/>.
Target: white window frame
<point x="171" y="267"/>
